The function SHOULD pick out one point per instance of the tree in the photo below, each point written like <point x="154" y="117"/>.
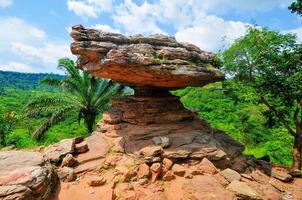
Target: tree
<point x="271" y="63"/>
<point x="296" y="7"/>
<point x="84" y="96"/>
<point x="7" y="122"/>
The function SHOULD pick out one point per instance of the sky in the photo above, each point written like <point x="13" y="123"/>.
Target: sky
<point x="34" y="34"/>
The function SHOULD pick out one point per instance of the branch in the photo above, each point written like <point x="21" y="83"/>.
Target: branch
<point x="280" y="117"/>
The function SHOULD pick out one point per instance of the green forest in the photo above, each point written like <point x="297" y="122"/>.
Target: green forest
<point x="259" y="103"/>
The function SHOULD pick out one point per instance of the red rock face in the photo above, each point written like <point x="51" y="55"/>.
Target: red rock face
<point x="157" y="61"/>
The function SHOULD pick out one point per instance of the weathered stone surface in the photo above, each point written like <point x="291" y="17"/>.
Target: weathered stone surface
<point x="207" y="166"/>
<point x="204" y="188"/>
<point x="82" y="147"/>
<point x="231" y="175"/>
<point x="169" y="176"/>
<point x="56" y="152"/>
<point x="96" y="181"/>
<point x="143" y="171"/>
<point x="155" y="171"/>
<point x="178" y="170"/>
<point x="281" y="175"/>
<point x="243" y="191"/>
<point x="164" y="142"/>
<point x="154" y="61"/>
<point x="66" y="174"/>
<point x="25" y="175"/>
<point x="68" y="161"/>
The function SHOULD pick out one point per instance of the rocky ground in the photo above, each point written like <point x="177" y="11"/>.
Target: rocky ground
<point x="98" y="169"/>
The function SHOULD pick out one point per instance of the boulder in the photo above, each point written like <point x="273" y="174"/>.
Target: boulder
<point x="68" y="161"/>
<point x="66" y="174"/>
<point x="231" y="175"/>
<point x="96" y="181"/>
<point x="178" y="170"/>
<point x="25" y="175"/>
<point x="155" y="171"/>
<point x="243" y="191"/>
<point x="56" y="152"/>
<point x="143" y="171"/>
<point x="81" y="147"/>
<point x="154" y="61"/>
<point x="207" y="166"/>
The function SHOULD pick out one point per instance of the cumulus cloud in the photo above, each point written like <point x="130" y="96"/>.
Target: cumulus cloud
<point x="106" y="28"/>
<point x="190" y="21"/>
<point x="47" y="55"/>
<point x="136" y="19"/>
<point x="28" y="48"/>
<point x="17" y="67"/>
<point x="5" y="3"/>
<point x="89" y="8"/>
<point x="13" y="29"/>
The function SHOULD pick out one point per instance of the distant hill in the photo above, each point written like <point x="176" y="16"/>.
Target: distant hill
<point x="23" y="81"/>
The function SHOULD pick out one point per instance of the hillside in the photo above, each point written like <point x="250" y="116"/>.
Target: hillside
<point x="23" y="81"/>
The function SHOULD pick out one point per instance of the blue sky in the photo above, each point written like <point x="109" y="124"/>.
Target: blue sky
<point x="35" y="34"/>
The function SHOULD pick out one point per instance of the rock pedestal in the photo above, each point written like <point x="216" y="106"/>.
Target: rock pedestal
<point x="153" y="124"/>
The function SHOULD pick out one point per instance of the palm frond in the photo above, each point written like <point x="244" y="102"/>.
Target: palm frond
<point x="51" y="81"/>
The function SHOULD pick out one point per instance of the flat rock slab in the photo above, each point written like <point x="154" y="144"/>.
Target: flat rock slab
<point x="25" y="175"/>
<point x="156" y="61"/>
<point x="98" y="148"/>
<point x="56" y="152"/>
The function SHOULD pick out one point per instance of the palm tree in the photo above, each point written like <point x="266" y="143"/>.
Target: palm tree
<point x="84" y="96"/>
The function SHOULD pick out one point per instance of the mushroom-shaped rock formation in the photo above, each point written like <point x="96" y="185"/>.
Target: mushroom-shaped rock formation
<point x="153" y="123"/>
<point x="157" y="61"/>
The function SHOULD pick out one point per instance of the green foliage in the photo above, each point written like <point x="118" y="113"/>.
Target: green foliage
<point x="296" y="7"/>
<point x="233" y="108"/>
<point x="84" y="96"/>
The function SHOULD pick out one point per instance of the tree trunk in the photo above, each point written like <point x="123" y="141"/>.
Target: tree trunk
<point x="297" y="149"/>
<point x="89" y="121"/>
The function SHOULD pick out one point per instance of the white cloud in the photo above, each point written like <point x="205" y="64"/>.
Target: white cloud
<point x="297" y="32"/>
<point x="190" y="21"/>
<point x="5" y="3"/>
<point x="136" y="19"/>
<point x="16" y="66"/>
<point x="47" y="55"/>
<point x="106" y="28"/>
<point x="15" y="29"/>
<point x="25" y="45"/>
<point x="89" y="8"/>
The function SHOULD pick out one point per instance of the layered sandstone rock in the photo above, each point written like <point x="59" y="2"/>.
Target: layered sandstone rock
<point x="156" y="61"/>
<point x="26" y="175"/>
<point x="153" y="124"/>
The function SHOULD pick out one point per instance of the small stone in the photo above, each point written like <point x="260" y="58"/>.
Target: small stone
<point x="151" y="151"/>
<point x="91" y="191"/>
<point x="155" y="171"/>
<point x="178" y="170"/>
<point x="167" y="163"/>
<point x="164" y="142"/>
<point x="66" y="174"/>
<point x="207" y="166"/>
<point x="188" y="174"/>
<point x="243" y="191"/>
<point x="231" y="175"/>
<point x="295" y="173"/>
<point x="168" y="176"/>
<point x="96" y="181"/>
<point x="143" y="171"/>
<point x="78" y="139"/>
<point x="68" y="161"/>
<point x="143" y="181"/>
<point x="81" y="147"/>
<point x="282" y="176"/>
